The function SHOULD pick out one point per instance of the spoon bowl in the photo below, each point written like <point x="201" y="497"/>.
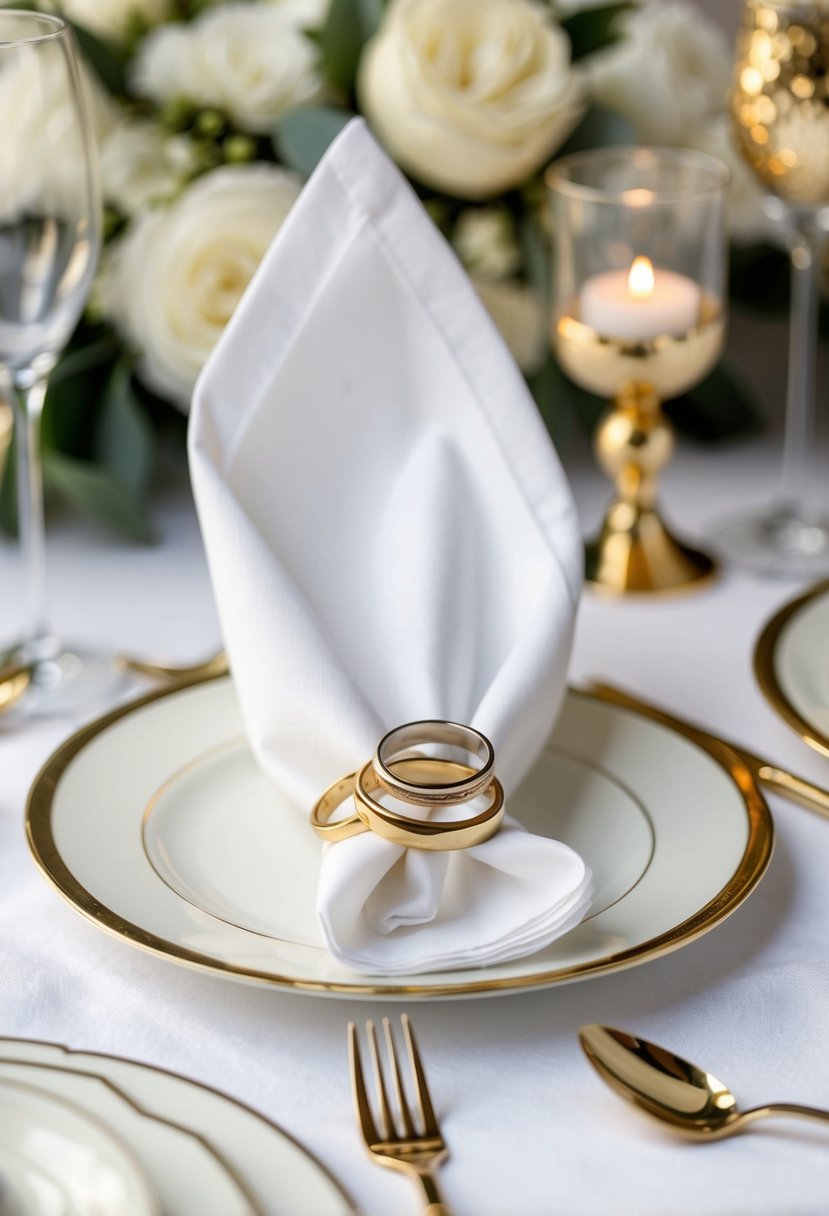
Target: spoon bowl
<point x="688" y="1099"/>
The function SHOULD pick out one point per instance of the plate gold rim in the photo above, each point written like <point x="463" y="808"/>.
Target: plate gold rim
<point x="178" y="1076"/>
<point x="43" y="847"/>
<point x="766" y="674"/>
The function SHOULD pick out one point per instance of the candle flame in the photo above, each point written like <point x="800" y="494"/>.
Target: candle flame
<point x="640" y="279"/>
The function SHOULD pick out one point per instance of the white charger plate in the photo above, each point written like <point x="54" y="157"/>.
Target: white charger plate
<point x="56" y="1159"/>
<point x="791" y="663"/>
<point x="187" y="1172"/>
<point x="277" y="1174"/>
<point x="671" y="824"/>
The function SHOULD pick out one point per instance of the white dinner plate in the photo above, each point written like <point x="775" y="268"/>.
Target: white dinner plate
<point x="187" y="1172"/>
<point x="279" y="1177"/>
<point x="157" y="823"/>
<point x="791" y="662"/>
<point x="57" y="1160"/>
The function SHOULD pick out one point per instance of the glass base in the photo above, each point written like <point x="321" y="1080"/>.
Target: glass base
<point x="789" y="542"/>
<point x="50" y="681"/>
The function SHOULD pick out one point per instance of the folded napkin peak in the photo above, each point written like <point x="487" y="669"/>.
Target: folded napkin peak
<point x="390" y="537"/>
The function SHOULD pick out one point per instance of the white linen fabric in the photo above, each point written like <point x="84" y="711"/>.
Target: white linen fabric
<point x="390" y="538"/>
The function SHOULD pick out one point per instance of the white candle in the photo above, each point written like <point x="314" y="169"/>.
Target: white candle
<point x="640" y="303"/>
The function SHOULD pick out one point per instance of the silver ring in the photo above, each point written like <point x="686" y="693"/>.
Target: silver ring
<point x="409" y="740"/>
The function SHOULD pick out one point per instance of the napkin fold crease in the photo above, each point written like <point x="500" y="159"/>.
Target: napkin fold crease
<point x="390" y="538"/>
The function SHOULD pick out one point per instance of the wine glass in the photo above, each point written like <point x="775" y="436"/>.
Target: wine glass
<point x="50" y="236"/>
<point x="780" y="111"/>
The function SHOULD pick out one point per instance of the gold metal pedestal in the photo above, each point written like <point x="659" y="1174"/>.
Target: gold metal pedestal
<point x="634" y="551"/>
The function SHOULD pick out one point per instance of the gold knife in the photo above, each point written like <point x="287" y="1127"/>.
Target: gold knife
<point x="798" y="789"/>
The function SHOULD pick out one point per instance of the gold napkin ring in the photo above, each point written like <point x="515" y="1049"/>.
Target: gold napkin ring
<point x="434" y="836"/>
<point x="407" y="741"/>
<point x="400" y="829"/>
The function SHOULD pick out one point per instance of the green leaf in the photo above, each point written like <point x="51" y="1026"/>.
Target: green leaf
<point x="536" y="252"/>
<point x="73" y="396"/>
<point x="600" y="128"/>
<point x="97" y="493"/>
<point x="723" y="406"/>
<point x="582" y="405"/>
<point x="591" y="29"/>
<point x="103" y="60"/>
<point x="124" y="440"/>
<point x="349" y="25"/>
<point x="303" y="135"/>
<point x="551" y="393"/>
<point x="8" y="492"/>
<point x="759" y="278"/>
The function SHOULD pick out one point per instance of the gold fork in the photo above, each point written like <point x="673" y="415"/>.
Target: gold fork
<point x="398" y="1144"/>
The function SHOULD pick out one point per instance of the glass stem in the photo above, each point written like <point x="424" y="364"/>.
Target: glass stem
<point x="806" y="245"/>
<point x="28" y="396"/>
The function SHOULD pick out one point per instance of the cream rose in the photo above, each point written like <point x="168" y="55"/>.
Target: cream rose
<point x="113" y="19"/>
<point x="173" y="281"/>
<point x="248" y="60"/>
<point x="142" y="165"/>
<point x="669" y="72"/>
<point x="469" y="96"/>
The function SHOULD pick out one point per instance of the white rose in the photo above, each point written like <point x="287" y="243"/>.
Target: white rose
<point x="668" y="73"/>
<point x="247" y="60"/>
<point x="142" y="165"/>
<point x="518" y="312"/>
<point x="747" y="218"/>
<point x="173" y="281"/>
<point x="113" y="19"/>
<point x="470" y="96"/>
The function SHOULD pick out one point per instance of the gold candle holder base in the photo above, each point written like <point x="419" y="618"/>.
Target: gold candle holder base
<point x="635" y="552"/>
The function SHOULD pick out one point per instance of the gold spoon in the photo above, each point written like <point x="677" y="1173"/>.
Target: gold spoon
<point x="216" y="665"/>
<point x="691" y="1101"/>
<point x="14" y="680"/>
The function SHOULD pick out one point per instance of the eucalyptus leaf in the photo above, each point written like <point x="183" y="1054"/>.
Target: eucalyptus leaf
<point x="348" y="26"/>
<point x="97" y="493"/>
<point x="124" y="439"/>
<point x="536" y="253"/>
<point x="303" y="135"/>
<point x="103" y="60"/>
<point x="591" y="29"/>
<point x="73" y="396"/>
<point x="759" y="278"/>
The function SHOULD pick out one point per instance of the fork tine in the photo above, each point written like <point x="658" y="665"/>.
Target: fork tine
<point x="389" y="1129"/>
<point x="424" y="1101"/>
<point x="358" y="1088"/>
<point x="399" y="1092"/>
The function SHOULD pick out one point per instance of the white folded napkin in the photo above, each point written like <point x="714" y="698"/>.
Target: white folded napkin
<point x="390" y="538"/>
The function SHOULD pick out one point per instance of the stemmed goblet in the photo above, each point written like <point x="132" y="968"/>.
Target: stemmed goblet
<point x="780" y="110"/>
<point x="50" y="236"/>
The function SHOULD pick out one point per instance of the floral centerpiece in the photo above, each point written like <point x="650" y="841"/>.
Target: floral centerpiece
<point x="210" y="115"/>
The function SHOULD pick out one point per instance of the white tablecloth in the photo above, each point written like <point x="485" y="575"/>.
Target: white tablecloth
<point x="532" y="1130"/>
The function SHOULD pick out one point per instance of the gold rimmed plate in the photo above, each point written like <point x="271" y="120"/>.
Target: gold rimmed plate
<point x="157" y="824"/>
<point x="791" y="664"/>
<point x="159" y="1112"/>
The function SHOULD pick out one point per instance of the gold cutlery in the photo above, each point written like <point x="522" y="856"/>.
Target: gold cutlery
<point x="216" y="665"/>
<point x="397" y="1143"/>
<point x="14" y="680"/>
<point x="798" y="789"/>
<point x="688" y="1099"/>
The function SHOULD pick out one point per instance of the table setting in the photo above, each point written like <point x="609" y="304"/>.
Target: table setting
<point x="377" y="843"/>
